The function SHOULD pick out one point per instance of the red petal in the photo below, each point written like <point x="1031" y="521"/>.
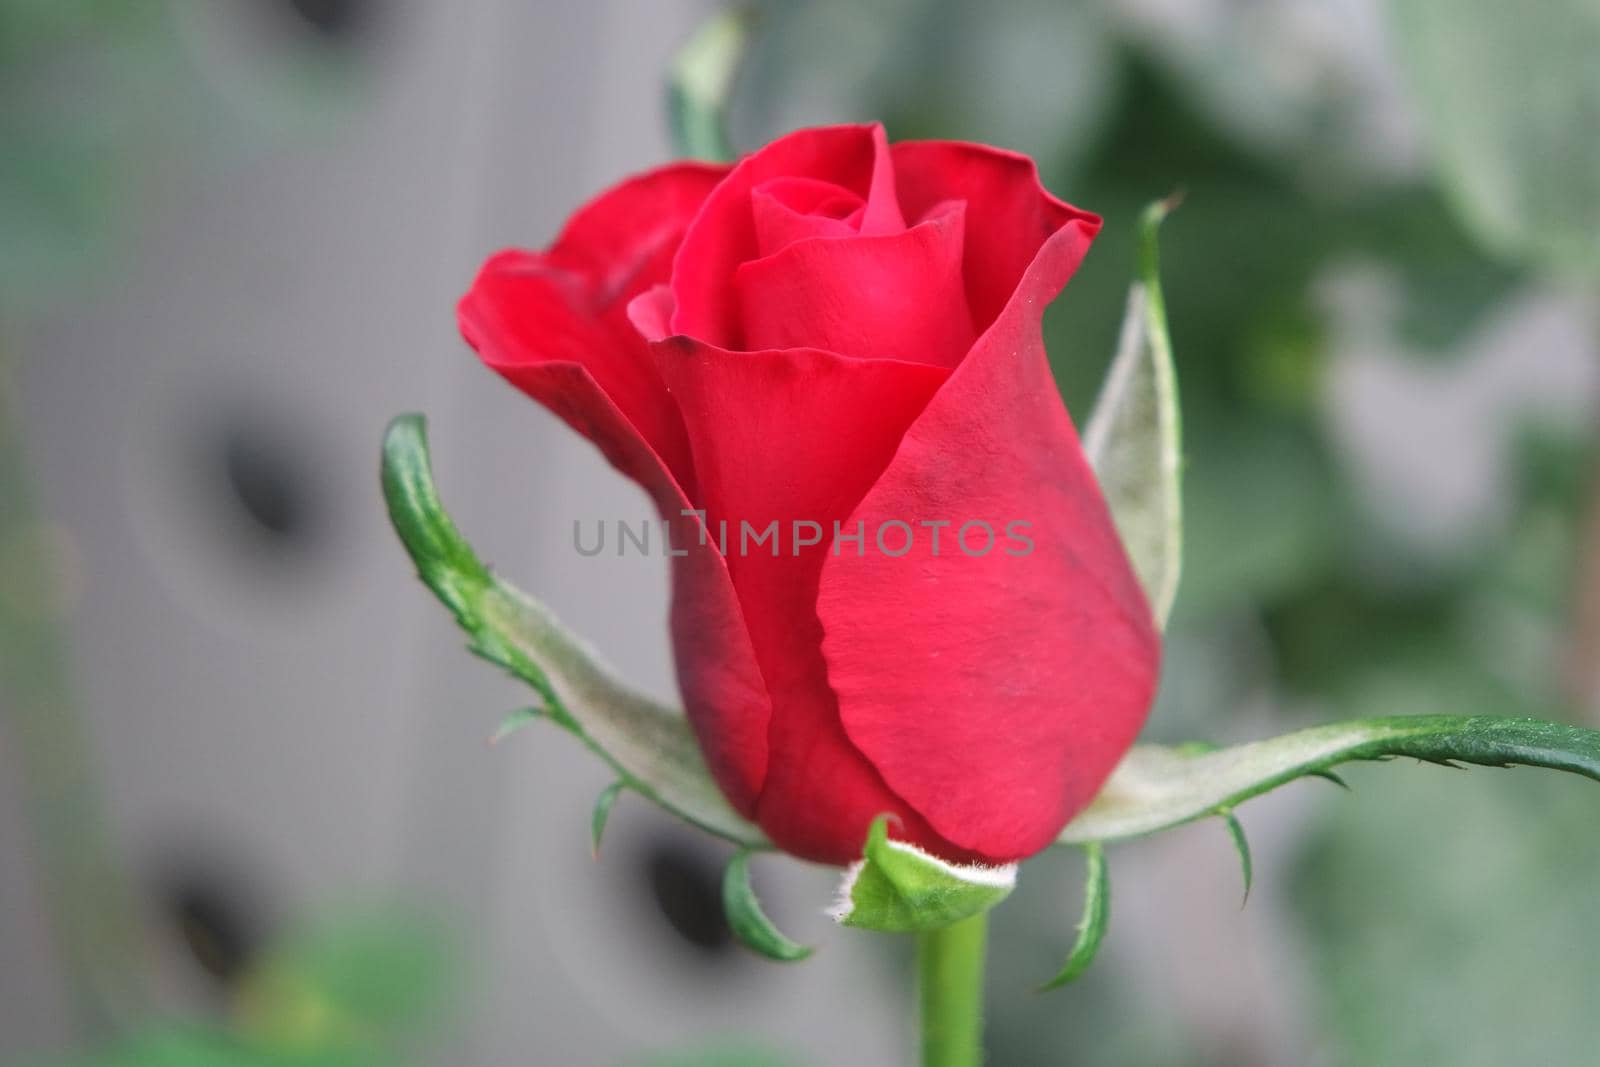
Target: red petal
<point x="555" y="325"/>
<point x="994" y="693"/>
<point x="570" y="303"/>
<point x="723" y="235"/>
<point x="624" y="240"/>
<point x="522" y="314"/>
<point x="1009" y="214"/>
<point x="786" y="210"/>
<point x="894" y="296"/>
<point x="784" y="436"/>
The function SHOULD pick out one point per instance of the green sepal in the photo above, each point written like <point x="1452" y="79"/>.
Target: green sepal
<point x="602" y="814"/>
<point x="899" y="888"/>
<point x="650" y="746"/>
<point x="1241" y="845"/>
<point x="1096" y="918"/>
<point x="746" y="919"/>
<point x="700" y="81"/>
<point x="514" y="722"/>
<point x="1156" y="787"/>
<point x="1134" y="434"/>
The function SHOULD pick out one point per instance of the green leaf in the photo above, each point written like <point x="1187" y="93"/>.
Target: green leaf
<point x="700" y="81"/>
<point x="650" y="746"/>
<point x="1133" y="435"/>
<point x="745" y="917"/>
<point x="1510" y="97"/>
<point x="1156" y="787"/>
<point x="1096" y="918"/>
<point x="1241" y="845"/>
<point x="602" y="814"/>
<point x="899" y="888"/>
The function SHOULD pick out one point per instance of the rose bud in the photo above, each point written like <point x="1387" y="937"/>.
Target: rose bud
<point x="842" y="338"/>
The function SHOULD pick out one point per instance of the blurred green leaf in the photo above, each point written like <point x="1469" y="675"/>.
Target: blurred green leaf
<point x="84" y="90"/>
<point x="898" y="888"/>
<point x="361" y="980"/>
<point x="1262" y="513"/>
<point x="648" y="744"/>
<point x="1258" y="484"/>
<point x="730" y="1056"/>
<point x="183" y="1046"/>
<point x="1450" y="922"/>
<point x="1510" y="94"/>
<point x="700" y="81"/>
<point x="1446" y="283"/>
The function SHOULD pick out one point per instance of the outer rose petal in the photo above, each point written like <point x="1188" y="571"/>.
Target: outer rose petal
<point x="555" y="325"/>
<point x="994" y="693"/>
<point x="570" y="302"/>
<point x="894" y="296"/>
<point x="798" y="435"/>
<point x="723" y="235"/>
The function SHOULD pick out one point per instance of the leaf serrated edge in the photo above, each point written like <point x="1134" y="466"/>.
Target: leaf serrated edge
<point x="1156" y="788"/>
<point x="482" y="604"/>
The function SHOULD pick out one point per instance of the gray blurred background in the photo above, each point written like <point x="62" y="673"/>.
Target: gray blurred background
<point x="231" y="236"/>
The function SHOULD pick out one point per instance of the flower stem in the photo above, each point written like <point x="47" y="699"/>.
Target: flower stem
<point x="950" y="985"/>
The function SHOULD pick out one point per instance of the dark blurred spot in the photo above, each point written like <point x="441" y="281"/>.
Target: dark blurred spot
<point x="687" y="887"/>
<point x="214" y="920"/>
<point x="337" y="20"/>
<point x="270" y="481"/>
<point x="264" y="485"/>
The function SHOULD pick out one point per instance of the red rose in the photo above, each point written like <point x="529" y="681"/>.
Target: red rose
<point x="837" y="331"/>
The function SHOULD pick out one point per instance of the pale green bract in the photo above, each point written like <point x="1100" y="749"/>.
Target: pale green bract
<point x="1157" y="787"/>
<point x="1133" y="435"/>
<point x="650" y="746"/>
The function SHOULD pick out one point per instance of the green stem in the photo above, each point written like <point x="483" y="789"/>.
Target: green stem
<point x="950" y="985"/>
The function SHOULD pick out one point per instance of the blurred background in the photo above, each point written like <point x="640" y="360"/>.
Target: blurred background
<point x="247" y="809"/>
